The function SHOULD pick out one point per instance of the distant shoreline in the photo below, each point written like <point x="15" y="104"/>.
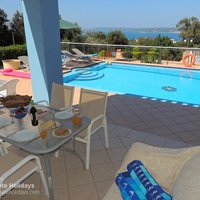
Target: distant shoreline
<point x="135" y="33"/>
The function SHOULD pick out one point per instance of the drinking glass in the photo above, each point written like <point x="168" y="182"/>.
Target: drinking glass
<point x="43" y="133"/>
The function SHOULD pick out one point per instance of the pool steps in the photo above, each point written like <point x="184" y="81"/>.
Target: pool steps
<point x="85" y="74"/>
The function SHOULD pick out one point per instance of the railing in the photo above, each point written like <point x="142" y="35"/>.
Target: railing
<point x="147" y="54"/>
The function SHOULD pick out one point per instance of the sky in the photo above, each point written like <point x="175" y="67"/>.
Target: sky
<point x="119" y="13"/>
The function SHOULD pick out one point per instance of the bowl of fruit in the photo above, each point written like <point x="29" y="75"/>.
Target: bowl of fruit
<point x="19" y="112"/>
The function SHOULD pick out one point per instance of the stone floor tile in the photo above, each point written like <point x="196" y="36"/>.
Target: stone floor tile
<point x="117" y="154"/>
<point x="174" y="144"/>
<point x="114" y="143"/>
<point x="155" y="140"/>
<point x="61" y="194"/>
<point x="84" y="192"/>
<point x="102" y="187"/>
<point x="99" y="157"/>
<point x="79" y="176"/>
<point x="72" y="161"/>
<point x="97" y="144"/>
<point x="103" y="172"/>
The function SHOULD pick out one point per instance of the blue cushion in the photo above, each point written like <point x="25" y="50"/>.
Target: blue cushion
<point x="128" y="188"/>
<point x="84" y="57"/>
<point x="137" y="183"/>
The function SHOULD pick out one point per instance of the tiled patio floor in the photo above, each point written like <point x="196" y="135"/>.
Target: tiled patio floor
<point x="130" y="119"/>
<point x="72" y="182"/>
<point x="167" y="120"/>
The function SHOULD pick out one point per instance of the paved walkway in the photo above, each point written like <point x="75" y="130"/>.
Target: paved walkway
<point x="167" y="120"/>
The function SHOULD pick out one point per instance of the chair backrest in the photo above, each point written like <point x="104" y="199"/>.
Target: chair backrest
<point x="3" y="149"/>
<point x="67" y="53"/>
<point x="24" y="60"/>
<point x="119" y="54"/>
<point x="61" y="96"/>
<point x="78" y="52"/>
<point x="93" y="103"/>
<point x="9" y="87"/>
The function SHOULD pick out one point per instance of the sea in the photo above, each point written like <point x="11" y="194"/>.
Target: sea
<point x="172" y="33"/>
<point x="135" y="35"/>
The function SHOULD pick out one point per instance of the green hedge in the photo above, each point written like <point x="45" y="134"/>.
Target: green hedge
<point x="12" y="51"/>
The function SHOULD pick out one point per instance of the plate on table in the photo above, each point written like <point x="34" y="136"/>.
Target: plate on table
<point x="5" y="121"/>
<point x="61" y="132"/>
<point x="65" y="114"/>
<point x="24" y="135"/>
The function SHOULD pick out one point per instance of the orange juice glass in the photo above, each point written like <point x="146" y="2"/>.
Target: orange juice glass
<point x="43" y="134"/>
<point x="76" y="120"/>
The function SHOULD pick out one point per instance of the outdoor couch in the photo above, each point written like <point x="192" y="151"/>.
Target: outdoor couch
<point x="177" y="171"/>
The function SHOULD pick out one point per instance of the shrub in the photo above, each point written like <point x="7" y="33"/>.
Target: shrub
<point x="136" y="54"/>
<point x="102" y="54"/>
<point x="12" y="52"/>
<point x="152" y="55"/>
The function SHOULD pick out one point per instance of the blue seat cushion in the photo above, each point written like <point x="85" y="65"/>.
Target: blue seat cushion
<point x="138" y="184"/>
<point x="85" y="57"/>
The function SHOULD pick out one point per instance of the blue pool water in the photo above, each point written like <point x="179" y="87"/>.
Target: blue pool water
<point x="165" y="84"/>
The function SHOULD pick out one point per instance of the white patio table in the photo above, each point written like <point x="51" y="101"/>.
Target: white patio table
<point x="37" y="145"/>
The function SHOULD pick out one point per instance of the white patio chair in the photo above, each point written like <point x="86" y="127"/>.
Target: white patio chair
<point x="8" y="88"/>
<point x="93" y="105"/>
<point x="61" y="96"/>
<point x="14" y="170"/>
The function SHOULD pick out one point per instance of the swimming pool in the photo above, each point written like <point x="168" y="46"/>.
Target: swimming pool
<point x="156" y="83"/>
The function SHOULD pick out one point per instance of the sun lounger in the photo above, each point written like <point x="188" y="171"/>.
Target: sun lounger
<point x="80" y="53"/>
<point x="74" y="58"/>
<point x="14" y="73"/>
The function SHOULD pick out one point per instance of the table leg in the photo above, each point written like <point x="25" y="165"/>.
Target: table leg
<point x="49" y="176"/>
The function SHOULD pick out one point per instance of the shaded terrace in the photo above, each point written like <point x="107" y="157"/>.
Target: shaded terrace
<point x="130" y="119"/>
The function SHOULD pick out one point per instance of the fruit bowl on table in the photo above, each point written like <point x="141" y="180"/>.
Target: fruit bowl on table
<point x="19" y="112"/>
<point x="15" y="101"/>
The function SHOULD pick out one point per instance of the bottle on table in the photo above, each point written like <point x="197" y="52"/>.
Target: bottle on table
<point x="33" y="111"/>
<point x="77" y="116"/>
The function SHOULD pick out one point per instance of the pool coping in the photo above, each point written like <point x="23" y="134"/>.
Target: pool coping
<point x="153" y="65"/>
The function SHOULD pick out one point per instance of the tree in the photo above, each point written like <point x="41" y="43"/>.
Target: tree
<point x="189" y="29"/>
<point x="95" y="37"/>
<point x="5" y="34"/>
<point x="17" y="28"/>
<point x="145" y="41"/>
<point x="100" y="36"/>
<point x="70" y="34"/>
<point x="162" y="41"/>
<point x="116" y="37"/>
